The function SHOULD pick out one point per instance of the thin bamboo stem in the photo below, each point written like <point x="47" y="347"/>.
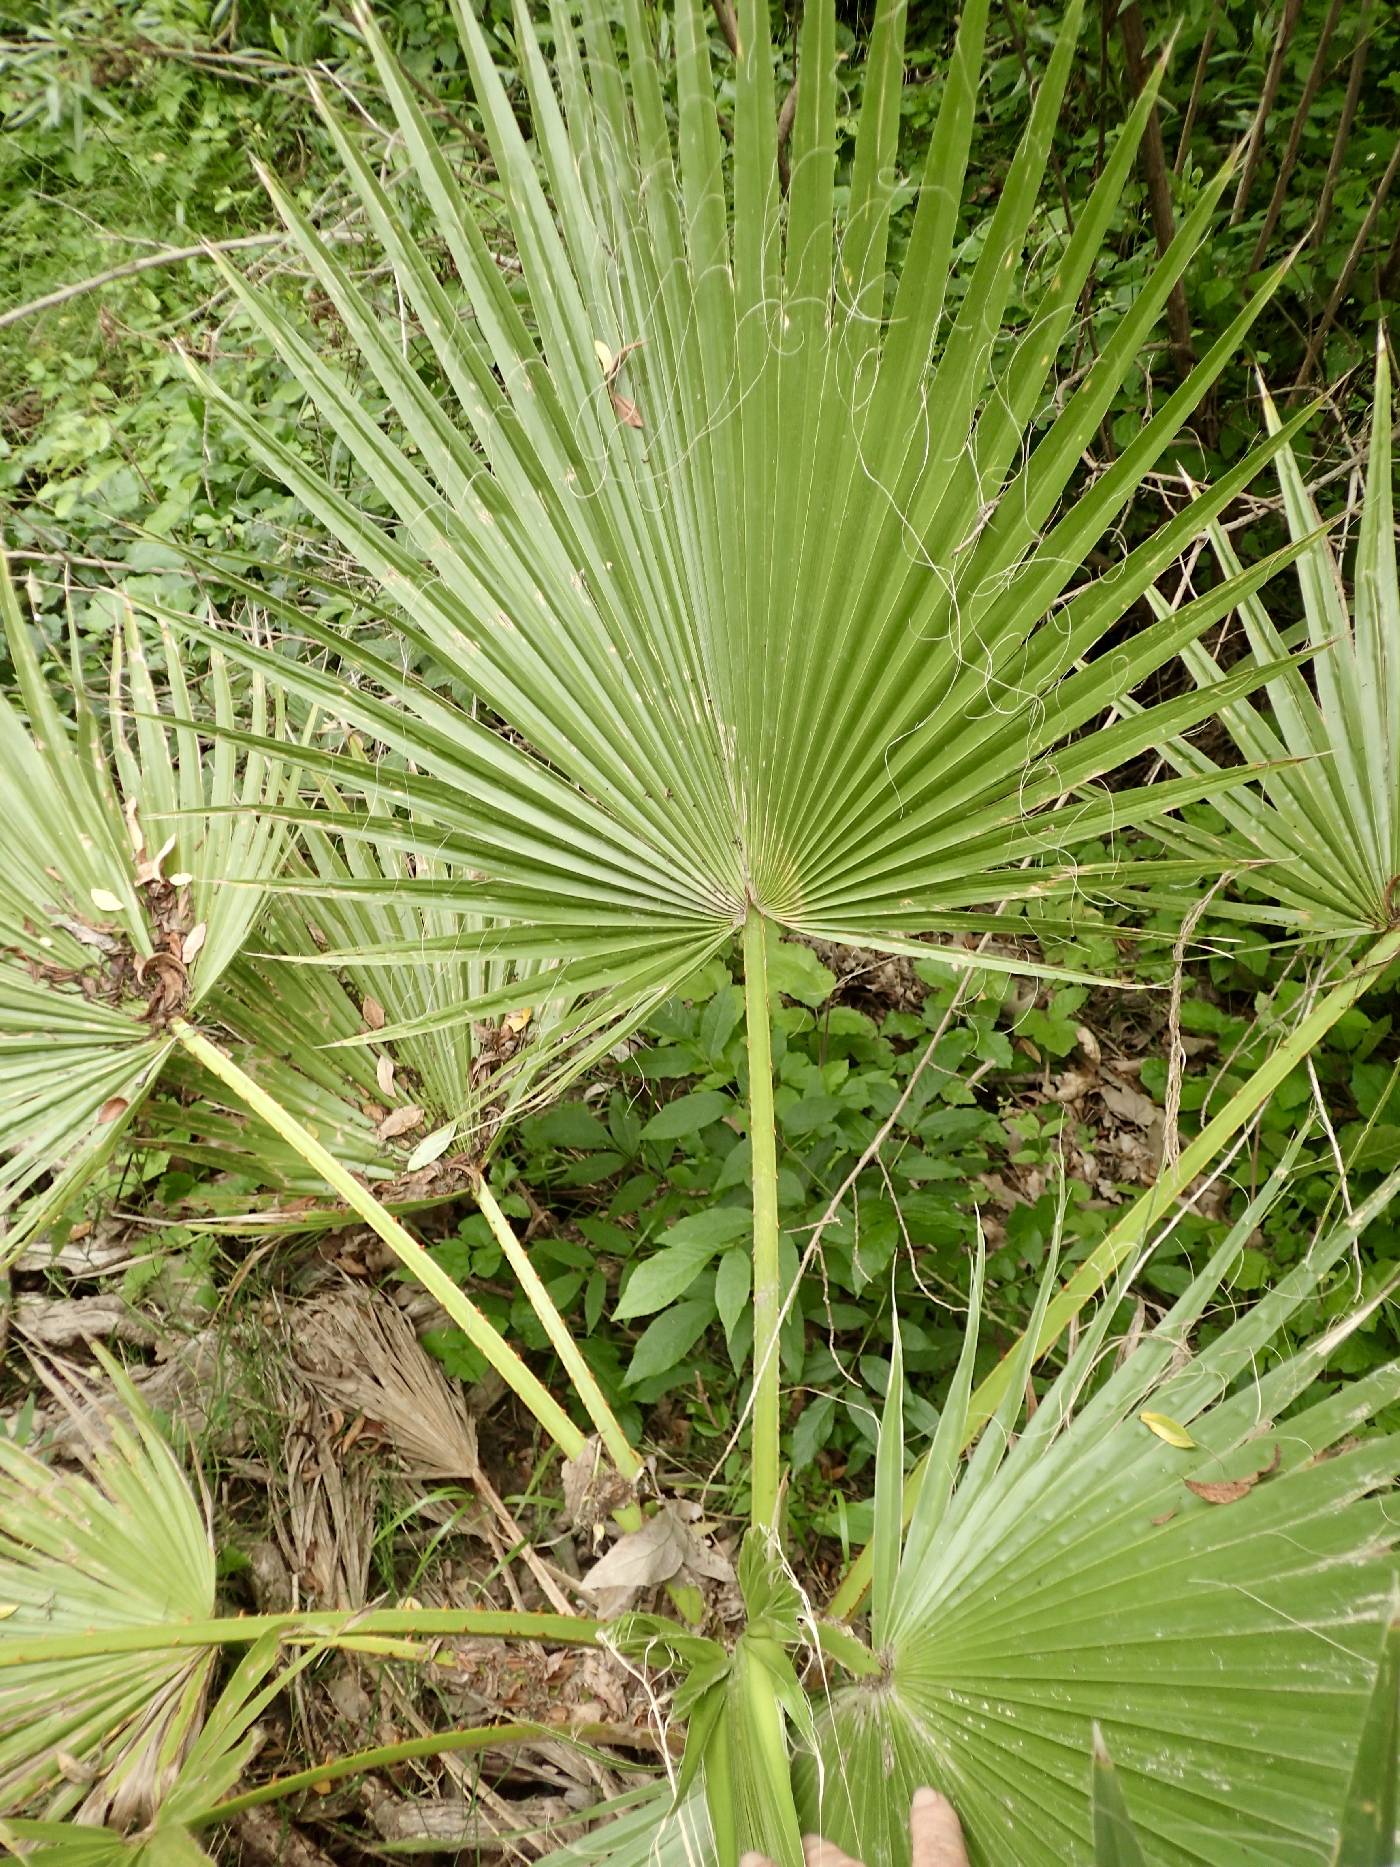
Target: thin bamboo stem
<point x="1352" y="98"/>
<point x="1295" y="135"/>
<point x="1188" y="122"/>
<point x="1379" y="194"/>
<point x="1254" y="147"/>
<point x="767" y="1292"/>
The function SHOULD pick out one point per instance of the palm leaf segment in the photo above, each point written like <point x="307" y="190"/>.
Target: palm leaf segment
<point x="1317" y="837"/>
<point x="743" y="545"/>
<point x="112" y="917"/>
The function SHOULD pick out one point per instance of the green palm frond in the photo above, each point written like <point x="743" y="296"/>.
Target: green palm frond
<point x="1366" y="1825"/>
<point x="1191" y="1554"/>
<point x="1317" y="835"/>
<point x="113" y="917"/>
<point x="121" y="1546"/>
<point x="339" y="1016"/>
<point x="758" y="553"/>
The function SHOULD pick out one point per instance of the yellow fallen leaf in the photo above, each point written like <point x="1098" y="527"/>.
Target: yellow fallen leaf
<point x="104" y="898"/>
<point x="1168" y="1430"/>
<point x="7" y="1608"/>
<point x="605" y="356"/>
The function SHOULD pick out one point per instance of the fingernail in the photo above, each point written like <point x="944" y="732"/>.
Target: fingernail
<point x="927" y="1799"/>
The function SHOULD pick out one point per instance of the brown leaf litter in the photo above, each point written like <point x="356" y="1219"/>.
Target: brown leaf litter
<point x="1231" y="1490"/>
<point x="671" y="1546"/>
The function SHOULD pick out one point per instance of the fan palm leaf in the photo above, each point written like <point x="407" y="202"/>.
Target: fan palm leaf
<point x="1192" y="1554"/>
<point x="112" y="913"/>
<point x="755" y="564"/>
<point x="108" y="1644"/>
<point x="744" y="544"/>
<point x="121" y="1546"/>
<point x="1317" y="834"/>
<point x="1189" y="1561"/>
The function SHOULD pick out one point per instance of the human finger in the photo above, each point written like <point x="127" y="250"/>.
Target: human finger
<point x="935" y="1833"/>
<point x="819" y="1853"/>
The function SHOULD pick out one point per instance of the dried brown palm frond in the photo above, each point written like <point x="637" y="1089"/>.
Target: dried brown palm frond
<point x="359" y="1352"/>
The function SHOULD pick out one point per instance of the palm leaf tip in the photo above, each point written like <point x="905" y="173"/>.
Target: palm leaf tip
<point x="1318" y="826"/>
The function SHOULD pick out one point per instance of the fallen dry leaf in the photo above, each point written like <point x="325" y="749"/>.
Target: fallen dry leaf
<point x="665" y="1549"/>
<point x="384" y="1075"/>
<point x="1231" y="1490"/>
<point x="626" y="411"/>
<point x="1221" y="1490"/>
<point x="148" y="869"/>
<point x="1072" y="1085"/>
<point x="111" y="1108"/>
<point x="1129" y="1105"/>
<point x="399" y="1121"/>
<point x="193" y="941"/>
<point x="373" y="1013"/>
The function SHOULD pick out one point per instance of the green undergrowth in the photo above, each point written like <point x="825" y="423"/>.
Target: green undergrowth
<point x="636" y="1201"/>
